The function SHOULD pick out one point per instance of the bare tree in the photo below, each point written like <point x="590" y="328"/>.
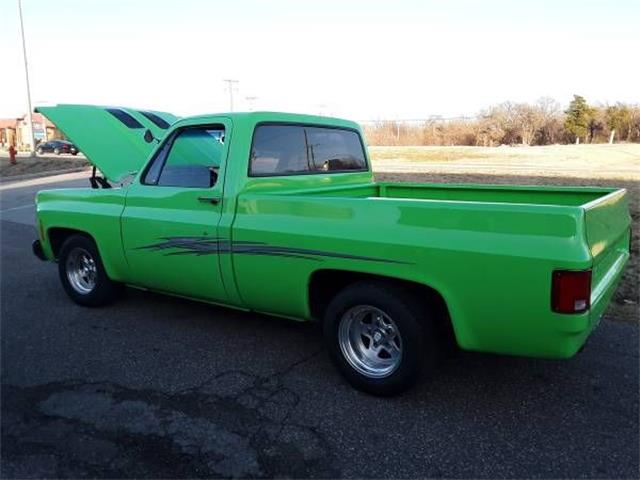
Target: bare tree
<point x="633" y="134"/>
<point x="528" y="121"/>
<point x="542" y="123"/>
<point x="550" y="129"/>
<point x="489" y="131"/>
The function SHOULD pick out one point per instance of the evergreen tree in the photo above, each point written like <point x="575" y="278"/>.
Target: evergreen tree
<point x="577" y="117"/>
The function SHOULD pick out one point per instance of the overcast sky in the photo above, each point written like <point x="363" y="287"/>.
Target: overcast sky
<point x="357" y="59"/>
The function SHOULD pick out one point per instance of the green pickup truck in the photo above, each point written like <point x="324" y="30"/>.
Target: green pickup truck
<point x="279" y="213"/>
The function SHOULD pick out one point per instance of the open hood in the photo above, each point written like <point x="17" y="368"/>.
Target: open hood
<point x="112" y="138"/>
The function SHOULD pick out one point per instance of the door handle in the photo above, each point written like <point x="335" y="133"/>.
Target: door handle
<point x="211" y="200"/>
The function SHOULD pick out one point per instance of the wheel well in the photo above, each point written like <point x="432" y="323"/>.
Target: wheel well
<point x="57" y="237"/>
<point x="325" y="284"/>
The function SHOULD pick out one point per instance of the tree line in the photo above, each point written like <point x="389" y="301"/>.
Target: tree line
<point x="541" y="123"/>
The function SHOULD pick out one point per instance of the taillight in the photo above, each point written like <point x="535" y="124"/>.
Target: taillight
<point x="571" y="291"/>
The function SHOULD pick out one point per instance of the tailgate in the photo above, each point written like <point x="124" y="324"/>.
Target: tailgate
<point x="608" y="232"/>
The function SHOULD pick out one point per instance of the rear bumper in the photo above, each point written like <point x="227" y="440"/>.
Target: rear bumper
<point x="36" y="246"/>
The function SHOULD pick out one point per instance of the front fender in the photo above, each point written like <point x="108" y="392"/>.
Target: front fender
<point x="95" y="213"/>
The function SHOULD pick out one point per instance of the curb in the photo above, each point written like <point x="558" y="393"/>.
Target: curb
<point x="30" y="176"/>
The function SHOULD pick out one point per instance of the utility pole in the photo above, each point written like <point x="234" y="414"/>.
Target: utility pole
<point x="230" y="83"/>
<point x="26" y="74"/>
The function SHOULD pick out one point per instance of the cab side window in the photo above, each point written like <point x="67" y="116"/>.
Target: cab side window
<point x="191" y="159"/>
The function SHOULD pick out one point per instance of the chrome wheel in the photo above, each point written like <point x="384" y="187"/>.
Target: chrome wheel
<point x="81" y="270"/>
<point x="370" y="341"/>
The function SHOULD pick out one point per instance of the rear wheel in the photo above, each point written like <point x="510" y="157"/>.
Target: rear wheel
<point x="83" y="275"/>
<point x="40" y="151"/>
<point x="380" y="337"/>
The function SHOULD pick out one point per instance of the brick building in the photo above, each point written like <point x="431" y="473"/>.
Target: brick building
<point x="16" y="131"/>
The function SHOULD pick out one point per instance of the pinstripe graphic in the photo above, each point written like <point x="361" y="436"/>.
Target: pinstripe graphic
<point x="216" y="246"/>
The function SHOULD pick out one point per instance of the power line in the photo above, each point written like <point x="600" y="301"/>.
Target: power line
<point x="250" y="101"/>
<point x="429" y="120"/>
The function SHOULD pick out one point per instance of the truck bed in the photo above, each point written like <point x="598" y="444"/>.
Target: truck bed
<point x="473" y="243"/>
<point x="602" y="221"/>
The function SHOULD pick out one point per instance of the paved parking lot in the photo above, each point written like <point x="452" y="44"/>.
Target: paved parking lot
<point x="160" y="387"/>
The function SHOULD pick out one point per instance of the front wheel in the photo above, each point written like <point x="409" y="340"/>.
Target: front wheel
<point x="380" y="337"/>
<point x="83" y="275"/>
<point x="56" y="151"/>
<point x="40" y="151"/>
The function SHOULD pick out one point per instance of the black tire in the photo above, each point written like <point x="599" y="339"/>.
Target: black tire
<point x="40" y="151"/>
<point x="56" y="151"/>
<point x="413" y="322"/>
<point x="103" y="291"/>
<point x="74" y="153"/>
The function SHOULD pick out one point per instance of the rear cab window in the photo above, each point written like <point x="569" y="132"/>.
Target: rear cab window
<point x="280" y="149"/>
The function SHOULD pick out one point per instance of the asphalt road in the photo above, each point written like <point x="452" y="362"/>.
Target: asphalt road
<point x="160" y="387"/>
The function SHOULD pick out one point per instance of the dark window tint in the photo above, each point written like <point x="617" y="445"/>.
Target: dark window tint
<point x="156" y="119"/>
<point x="125" y="118"/>
<point x="153" y="172"/>
<point x="191" y="159"/>
<point x="291" y="149"/>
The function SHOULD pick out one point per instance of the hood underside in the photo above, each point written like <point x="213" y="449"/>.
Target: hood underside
<point x="112" y="138"/>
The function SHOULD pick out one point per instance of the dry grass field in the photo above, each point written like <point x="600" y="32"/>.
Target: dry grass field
<point x="600" y="165"/>
<point x="39" y="164"/>
<point x="598" y="161"/>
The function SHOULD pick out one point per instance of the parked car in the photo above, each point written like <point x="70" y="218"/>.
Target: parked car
<point x="58" y="147"/>
<point x="280" y="214"/>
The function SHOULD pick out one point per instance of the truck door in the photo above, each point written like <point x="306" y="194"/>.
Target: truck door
<point x="171" y="216"/>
